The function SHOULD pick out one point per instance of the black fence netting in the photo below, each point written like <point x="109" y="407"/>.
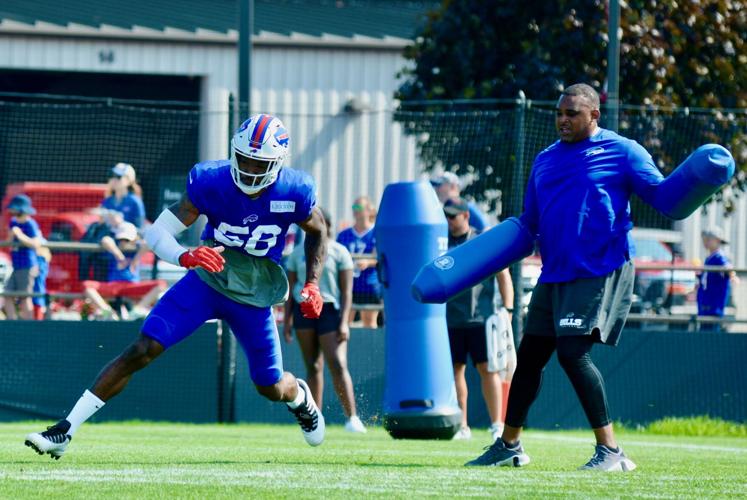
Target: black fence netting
<point x="80" y="142"/>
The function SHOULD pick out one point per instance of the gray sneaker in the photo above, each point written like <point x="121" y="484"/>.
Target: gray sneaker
<point x="500" y="454"/>
<point x="605" y="459"/>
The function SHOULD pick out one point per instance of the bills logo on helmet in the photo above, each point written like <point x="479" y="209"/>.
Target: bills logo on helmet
<point x="282" y="136"/>
<point x="244" y="125"/>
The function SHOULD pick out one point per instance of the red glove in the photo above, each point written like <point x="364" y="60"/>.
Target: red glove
<point x="311" y="307"/>
<point x="207" y="258"/>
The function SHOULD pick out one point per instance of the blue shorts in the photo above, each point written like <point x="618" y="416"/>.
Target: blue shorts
<point x="191" y="302"/>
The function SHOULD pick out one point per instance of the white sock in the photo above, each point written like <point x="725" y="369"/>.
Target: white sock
<point x="300" y="397"/>
<point x="87" y="405"/>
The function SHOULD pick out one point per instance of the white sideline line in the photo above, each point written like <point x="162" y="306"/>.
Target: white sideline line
<point x="679" y="446"/>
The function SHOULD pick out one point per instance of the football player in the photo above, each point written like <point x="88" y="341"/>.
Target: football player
<point x="250" y="201"/>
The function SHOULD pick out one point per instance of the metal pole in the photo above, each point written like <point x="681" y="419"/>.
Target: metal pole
<point x="246" y="26"/>
<point x="613" y="65"/>
<point x="517" y="207"/>
<point x="231" y="119"/>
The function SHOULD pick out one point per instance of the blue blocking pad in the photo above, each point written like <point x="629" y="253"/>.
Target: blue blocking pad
<point x="470" y="263"/>
<point x="694" y="181"/>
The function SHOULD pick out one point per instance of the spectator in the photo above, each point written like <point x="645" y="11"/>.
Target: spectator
<point x="448" y="185"/>
<point x="714" y="287"/>
<point x="466" y="317"/>
<point x="125" y="195"/>
<point x="360" y="239"/>
<point x="123" y="281"/>
<point x="95" y="265"/>
<point x="43" y="258"/>
<point x="327" y="336"/>
<point x="25" y="231"/>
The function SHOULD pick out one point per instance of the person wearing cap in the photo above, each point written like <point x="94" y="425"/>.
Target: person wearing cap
<point x="448" y="185"/>
<point x="25" y="233"/>
<point x="714" y="287"/>
<point x="466" y="318"/>
<point x="125" y="195"/>
<point x="124" y="251"/>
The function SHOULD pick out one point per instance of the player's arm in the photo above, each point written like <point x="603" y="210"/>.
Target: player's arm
<point x="645" y="177"/>
<point x="315" y="244"/>
<point x="161" y="238"/>
<point x="315" y="247"/>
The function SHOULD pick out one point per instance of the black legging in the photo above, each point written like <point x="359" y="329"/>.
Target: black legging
<point x="574" y="355"/>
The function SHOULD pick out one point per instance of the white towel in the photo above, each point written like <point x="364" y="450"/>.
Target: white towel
<point x="501" y="349"/>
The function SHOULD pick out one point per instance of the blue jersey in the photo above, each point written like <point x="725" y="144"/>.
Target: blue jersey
<point x="366" y="281"/>
<point x="24" y="257"/>
<point x="577" y="204"/>
<point x="131" y="207"/>
<point x="254" y="226"/>
<point x="713" y="288"/>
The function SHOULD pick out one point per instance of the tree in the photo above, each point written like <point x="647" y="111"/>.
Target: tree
<point x="687" y="54"/>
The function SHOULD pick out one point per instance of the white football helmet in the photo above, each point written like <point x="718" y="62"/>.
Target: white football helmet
<point x="262" y="137"/>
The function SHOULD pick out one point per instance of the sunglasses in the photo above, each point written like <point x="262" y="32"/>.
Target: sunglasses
<point x="450" y="216"/>
<point x="358" y="208"/>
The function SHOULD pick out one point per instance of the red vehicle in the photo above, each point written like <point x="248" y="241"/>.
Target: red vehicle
<point x="655" y="289"/>
<point x="659" y="289"/>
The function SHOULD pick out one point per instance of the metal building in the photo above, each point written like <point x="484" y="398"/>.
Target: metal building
<point x="316" y="64"/>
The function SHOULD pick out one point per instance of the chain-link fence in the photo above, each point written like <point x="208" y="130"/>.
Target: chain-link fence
<point x="61" y="150"/>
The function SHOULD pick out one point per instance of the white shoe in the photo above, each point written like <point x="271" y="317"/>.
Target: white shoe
<point x="496" y="430"/>
<point x="464" y="432"/>
<point x="309" y="417"/>
<point x="53" y="441"/>
<point x="354" y="424"/>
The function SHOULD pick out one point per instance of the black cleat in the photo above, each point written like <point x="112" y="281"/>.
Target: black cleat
<point x="53" y="441"/>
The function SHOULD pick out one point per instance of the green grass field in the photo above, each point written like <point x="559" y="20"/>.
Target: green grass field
<point x="146" y="460"/>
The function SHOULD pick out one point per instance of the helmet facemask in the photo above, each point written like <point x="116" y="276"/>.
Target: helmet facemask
<point x="253" y="183"/>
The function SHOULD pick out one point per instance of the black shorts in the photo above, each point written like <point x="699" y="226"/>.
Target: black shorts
<point x="366" y="298"/>
<point x="328" y="321"/>
<point x="470" y="340"/>
<point x="588" y="306"/>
